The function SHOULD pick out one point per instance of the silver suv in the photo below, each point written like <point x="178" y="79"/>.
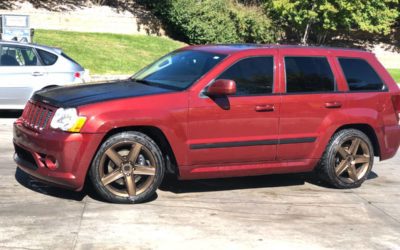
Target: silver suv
<point x="26" y="68"/>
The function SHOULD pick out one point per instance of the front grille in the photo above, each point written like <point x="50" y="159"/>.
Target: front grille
<point x="37" y="116"/>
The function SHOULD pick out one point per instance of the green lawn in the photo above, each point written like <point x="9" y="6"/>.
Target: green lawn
<point x="395" y="74"/>
<point x="108" y="53"/>
<point x="103" y="53"/>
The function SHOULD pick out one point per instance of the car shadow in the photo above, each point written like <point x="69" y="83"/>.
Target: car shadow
<point x="25" y="180"/>
<point x="172" y="184"/>
<point x="251" y="182"/>
<point x="28" y="182"/>
<point x="10" y="113"/>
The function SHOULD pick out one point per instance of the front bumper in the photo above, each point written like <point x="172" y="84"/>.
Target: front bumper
<point x="55" y="157"/>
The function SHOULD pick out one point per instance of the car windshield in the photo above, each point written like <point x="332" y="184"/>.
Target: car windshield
<point x="178" y="70"/>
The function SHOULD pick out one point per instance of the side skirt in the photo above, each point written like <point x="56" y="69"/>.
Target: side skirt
<point x="236" y="170"/>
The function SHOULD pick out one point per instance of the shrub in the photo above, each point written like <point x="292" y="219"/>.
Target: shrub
<point x="213" y="21"/>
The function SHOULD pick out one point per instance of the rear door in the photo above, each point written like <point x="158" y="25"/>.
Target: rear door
<point x="20" y="75"/>
<point x="311" y="105"/>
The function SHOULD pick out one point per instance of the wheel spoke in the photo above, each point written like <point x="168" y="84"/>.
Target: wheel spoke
<point x="343" y="152"/>
<point x="341" y="167"/>
<point x="142" y="170"/>
<point x="361" y="159"/>
<point x="113" y="176"/>
<point x="134" y="153"/>
<point x="352" y="172"/>
<point x="355" y="144"/>
<point x="130" y="185"/>
<point x="114" y="156"/>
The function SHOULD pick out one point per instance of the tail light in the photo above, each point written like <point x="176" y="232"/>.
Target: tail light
<point x="77" y="74"/>
<point x="396" y="105"/>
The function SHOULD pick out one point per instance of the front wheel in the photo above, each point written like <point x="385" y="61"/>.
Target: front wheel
<point x="128" y="168"/>
<point x="347" y="160"/>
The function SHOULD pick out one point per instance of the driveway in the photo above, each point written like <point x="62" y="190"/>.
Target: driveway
<point x="279" y="211"/>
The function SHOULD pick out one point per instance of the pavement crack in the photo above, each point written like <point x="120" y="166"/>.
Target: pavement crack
<point x="79" y="226"/>
<point x="378" y="208"/>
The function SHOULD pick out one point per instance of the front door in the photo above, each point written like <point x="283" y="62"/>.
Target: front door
<point x="242" y="128"/>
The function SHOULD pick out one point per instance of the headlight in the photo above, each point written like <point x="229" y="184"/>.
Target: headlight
<point x="67" y="120"/>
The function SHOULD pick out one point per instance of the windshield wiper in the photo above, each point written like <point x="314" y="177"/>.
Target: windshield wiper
<point x="142" y="81"/>
<point x="156" y="84"/>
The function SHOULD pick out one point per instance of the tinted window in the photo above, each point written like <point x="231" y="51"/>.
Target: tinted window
<point x="178" y="70"/>
<point x="308" y="74"/>
<point x="17" y="56"/>
<point x="360" y="75"/>
<point x="253" y="76"/>
<point x="47" y="57"/>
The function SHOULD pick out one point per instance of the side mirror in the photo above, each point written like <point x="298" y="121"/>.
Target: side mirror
<point x="221" y="87"/>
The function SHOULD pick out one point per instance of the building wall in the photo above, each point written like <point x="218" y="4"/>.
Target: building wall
<point x="91" y="19"/>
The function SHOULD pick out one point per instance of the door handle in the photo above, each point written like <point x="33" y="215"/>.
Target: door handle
<point x="37" y="73"/>
<point x="333" y="105"/>
<point x="265" y="108"/>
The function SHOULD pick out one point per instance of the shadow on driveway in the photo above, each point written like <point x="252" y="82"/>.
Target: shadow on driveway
<point x="171" y="184"/>
<point x="32" y="184"/>
<point x="10" y="113"/>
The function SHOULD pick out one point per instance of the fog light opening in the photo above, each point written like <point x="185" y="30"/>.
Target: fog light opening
<point x="50" y="162"/>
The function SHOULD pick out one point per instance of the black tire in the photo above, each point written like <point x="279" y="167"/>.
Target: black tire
<point x="333" y="161"/>
<point x="102" y="162"/>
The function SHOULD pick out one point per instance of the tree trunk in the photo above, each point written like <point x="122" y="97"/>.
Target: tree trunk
<point x="306" y="33"/>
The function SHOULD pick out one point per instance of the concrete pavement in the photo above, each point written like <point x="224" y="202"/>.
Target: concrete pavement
<point x="280" y="211"/>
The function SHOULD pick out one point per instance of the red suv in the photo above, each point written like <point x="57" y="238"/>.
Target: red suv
<point x="215" y="111"/>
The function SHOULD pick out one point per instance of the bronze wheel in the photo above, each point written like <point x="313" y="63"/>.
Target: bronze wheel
<point x="352" y="160"/>
<point x="347" y="160"/>
<point x="128" y="168"/>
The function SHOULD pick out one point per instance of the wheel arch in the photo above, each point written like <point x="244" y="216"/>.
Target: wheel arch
<point x="366" y="129"/>
<point x="158" y="136"/>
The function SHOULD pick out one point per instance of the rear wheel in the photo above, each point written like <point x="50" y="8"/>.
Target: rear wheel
<point x="347" y="160"/>
<point x="128" y="168"/>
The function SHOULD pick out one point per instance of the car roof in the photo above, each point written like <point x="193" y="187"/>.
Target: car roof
<point x="33" y="45"/>
<point x="234" y="48"/>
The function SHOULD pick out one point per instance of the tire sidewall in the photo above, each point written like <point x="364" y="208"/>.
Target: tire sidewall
<point x="146" y="141"/>
<point x="339" y="139"/>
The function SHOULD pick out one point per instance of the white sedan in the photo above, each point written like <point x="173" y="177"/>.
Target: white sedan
<point x="26" y="68"/>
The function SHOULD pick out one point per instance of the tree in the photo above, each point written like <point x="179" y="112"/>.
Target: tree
<point x="320" y="18"/>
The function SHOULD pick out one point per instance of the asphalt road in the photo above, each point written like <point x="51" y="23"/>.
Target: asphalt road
<point x="280" y="211"/>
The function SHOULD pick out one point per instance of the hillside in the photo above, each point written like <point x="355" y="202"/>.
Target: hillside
<point x="104" y="53"/>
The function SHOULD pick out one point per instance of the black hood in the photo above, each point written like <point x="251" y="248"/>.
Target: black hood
<point x="82" y="94"/>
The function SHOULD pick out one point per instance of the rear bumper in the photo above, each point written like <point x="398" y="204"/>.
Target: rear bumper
<point x="390" y="142"/>
<point x="55" y="157"/>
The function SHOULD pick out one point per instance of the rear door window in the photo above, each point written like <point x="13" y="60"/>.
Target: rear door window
<point x="360" y="76"/>
<point x="308" y="74"/>
<point x="17" y="56"/>
<point x="47" y="57"/>
<point x="253" y="76"/>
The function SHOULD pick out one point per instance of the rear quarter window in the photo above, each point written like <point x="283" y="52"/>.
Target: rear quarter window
<point x="360" y="75"/>
<point x="47" y="57"/>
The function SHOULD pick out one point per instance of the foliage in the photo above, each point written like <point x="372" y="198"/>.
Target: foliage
<point x="320" y="18"/>
<point x="108" y="53"/>
<point x="213" y="21"/>
<point x="395" y="74"/>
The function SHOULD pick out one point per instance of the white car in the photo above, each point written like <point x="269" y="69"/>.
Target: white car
<point x="26" y="68"/>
